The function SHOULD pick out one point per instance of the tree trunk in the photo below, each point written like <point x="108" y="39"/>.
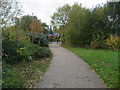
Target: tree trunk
<point x="33" y="38"/>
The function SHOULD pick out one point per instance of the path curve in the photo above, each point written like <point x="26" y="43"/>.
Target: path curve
<point x="67" y="70"/>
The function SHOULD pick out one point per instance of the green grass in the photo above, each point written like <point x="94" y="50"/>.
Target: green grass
<point x="25" y="74"/>
<point x="104" y="62"/>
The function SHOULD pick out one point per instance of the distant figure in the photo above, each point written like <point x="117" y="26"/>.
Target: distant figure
<point x="57" y="41"/>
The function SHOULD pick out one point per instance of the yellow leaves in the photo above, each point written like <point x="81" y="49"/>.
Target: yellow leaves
<point x="94" y="64"/>
<point x="24" y="38"/>
<point x="112" y="41"/>
<point x="20" y="50"/>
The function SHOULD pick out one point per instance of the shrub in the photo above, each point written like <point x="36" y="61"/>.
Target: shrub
<point x="9" y="51"/>
<point x="42" y="40"/>
<point x="33" y="51"/>
<point x="119" y="43"/>
<point x="27" y="50"/>
<point x="42" y="52"/>
<point x="113" y="42"/>
<point x="98" y="44"/>
<point x="22" y="50"/>
<point x="15" y="51"/>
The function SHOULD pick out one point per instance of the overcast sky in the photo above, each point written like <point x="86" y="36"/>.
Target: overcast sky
<point x="44" y="9"/>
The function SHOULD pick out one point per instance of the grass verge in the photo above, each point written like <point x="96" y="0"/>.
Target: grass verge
<point x="25" y="74"/>
<point x="104" y="62"/>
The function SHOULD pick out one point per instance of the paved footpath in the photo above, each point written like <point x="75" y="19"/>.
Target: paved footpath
<point x="67" y="70"/>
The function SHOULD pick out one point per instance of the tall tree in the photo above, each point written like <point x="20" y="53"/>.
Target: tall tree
<point x="25" y="22"/>
<point x="98" y="20"/>
<point x="113" y="13"/>
<point x="45" y="28"/>
<point x="76" y="31"/>
<point x="9" y="11"/>
<point x="35" y="27"/>
<point x="60" y="17"/>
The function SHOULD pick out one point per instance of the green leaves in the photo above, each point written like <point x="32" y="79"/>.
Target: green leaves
<point x="25" y="22"/>
<point x="75" y="30"/>
<point x="60" y="17"/>
<point x="11" y="77"/>
<point x="81" y="26"/>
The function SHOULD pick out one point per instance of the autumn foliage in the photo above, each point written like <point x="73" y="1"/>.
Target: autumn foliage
<point x="35" y="27"/>
<point x="113" y="42"/>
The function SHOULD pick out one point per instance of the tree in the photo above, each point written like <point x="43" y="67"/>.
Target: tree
<point x="81" y="26"/>
<point x="9" y="11"/>
<point x="35" y="27"/>
<point x="60" y="17"/>
<point x="45" y="28"/>
<point x="25" y="22"/>
<point x="76" y="30"/>
<point x="98" y="20"/>
<point x="113" y="13"/>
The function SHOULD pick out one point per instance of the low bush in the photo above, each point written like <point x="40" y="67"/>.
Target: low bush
<point x="40" y="39"/>
<point x="119" y="43"/>
<point x="28" y="49"/>
<point x="22" y="50"/>
<point x="113" y="42"/>
<point x="34" y="51"/>
<point x="43" y="41"/>
<point x="15" y="51"/>
<point x="99" y="44"/>
<point x="42" y="52"/>
<point x="9" y="51"/>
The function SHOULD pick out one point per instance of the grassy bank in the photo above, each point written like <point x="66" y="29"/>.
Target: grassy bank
<point x="104" y="62"/>
<point x="25" y="74"/>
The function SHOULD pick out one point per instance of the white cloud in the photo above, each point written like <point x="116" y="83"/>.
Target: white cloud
<point x="44" y="9"/>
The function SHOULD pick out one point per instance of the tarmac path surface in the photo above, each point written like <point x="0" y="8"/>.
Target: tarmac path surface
<point x="68" y="70"/>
